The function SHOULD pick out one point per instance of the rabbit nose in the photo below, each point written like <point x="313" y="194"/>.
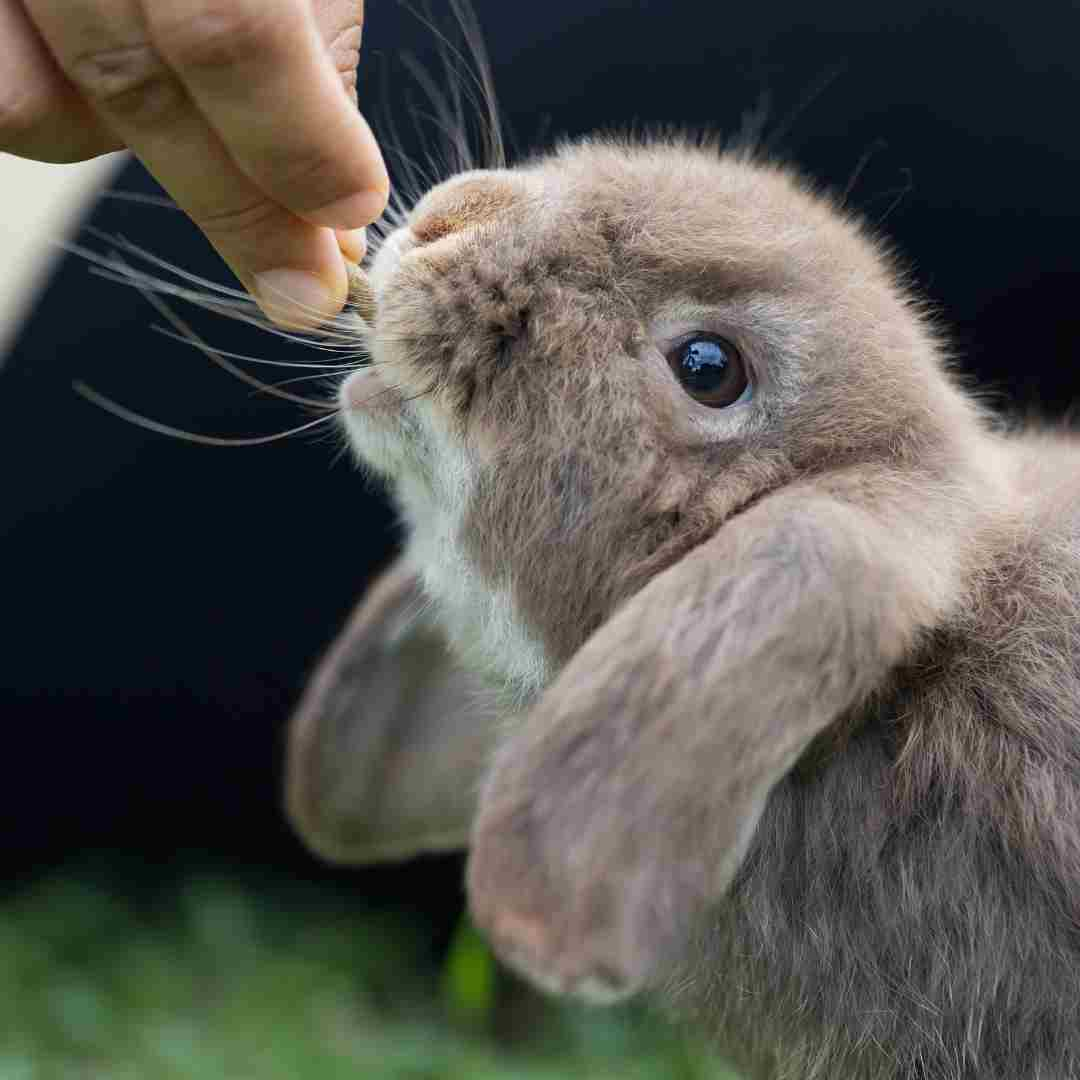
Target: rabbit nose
<point x="462" y="204"/>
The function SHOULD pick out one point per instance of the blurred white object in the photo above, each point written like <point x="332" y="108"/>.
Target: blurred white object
<point x="40" y="205"/>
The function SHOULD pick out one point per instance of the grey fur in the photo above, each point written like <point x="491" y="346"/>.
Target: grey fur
<point x="801" y="753"/>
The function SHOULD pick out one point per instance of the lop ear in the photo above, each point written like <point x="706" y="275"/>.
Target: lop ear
<point x="619" y="811"/>
<point x="387" y="744"/>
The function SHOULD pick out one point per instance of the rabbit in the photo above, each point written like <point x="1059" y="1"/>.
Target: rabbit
<point x="733" y="636"/>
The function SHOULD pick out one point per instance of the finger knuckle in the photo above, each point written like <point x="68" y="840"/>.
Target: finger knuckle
<point x="345" y="52"/>
<point x="219" y="224"/>
<point x="349" y="81"/>
<point x="313" y="170"/>
<point x="131" y="81"/>
<point x="213" y="34"/>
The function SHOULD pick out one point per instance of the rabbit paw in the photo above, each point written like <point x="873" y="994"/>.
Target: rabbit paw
<point x="571" y="917"/>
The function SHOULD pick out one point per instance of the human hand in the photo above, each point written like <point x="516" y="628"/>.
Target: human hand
<point x="244" y="110"/>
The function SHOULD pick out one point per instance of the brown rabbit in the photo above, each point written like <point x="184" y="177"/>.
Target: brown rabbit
<point x="736" y="642"/>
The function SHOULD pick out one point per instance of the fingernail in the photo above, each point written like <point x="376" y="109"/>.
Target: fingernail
<point x="296" y="299"/>
<point x="360" y="208"/>
<point x="353" y="244"/>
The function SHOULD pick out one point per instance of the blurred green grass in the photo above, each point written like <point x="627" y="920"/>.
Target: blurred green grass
<point x="227" y="980"/>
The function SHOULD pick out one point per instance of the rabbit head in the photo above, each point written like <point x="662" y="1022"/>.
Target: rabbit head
<point x="584" y="366"/>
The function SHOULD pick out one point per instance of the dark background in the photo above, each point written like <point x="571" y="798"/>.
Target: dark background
<point x="161" y="603"/>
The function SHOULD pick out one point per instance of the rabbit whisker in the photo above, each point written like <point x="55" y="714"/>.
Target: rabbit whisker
<point x="131" y="248"/>
<point x="475" y="70"/>
<point x="319" y="375"/>
<point x="216" y="358"/>
<point x="340" y="332"/>
<point x="91" y="395"/>
<point x="230" y="309"/>
<point x="303" y="365"/>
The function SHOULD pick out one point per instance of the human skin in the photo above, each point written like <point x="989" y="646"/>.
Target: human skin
<point x="244" y="110"/>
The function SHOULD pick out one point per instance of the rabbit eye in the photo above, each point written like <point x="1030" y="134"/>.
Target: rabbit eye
<point x="711" y="371"/>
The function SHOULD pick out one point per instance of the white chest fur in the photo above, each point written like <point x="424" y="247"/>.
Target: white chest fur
<point x="479" y="617"/>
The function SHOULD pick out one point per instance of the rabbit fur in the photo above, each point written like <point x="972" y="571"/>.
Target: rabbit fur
<point x="771" y="711"/>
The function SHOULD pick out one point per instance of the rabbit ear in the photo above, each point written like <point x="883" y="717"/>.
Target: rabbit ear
<point x="619" y="811"/>
<point x="387" y="744"/>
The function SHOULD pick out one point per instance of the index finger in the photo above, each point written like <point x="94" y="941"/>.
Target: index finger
<point x="262" y="76"/>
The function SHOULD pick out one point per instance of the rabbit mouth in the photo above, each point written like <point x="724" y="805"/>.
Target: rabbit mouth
<point x="382" y="429"/>
<point x="367" y="392"/>
<point x="373" y="407"/>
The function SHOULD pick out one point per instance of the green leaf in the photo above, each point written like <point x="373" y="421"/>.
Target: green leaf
<point x="470" y="976"/>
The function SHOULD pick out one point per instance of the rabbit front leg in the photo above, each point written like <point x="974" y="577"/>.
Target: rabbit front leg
<point x="620" y="810"/>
